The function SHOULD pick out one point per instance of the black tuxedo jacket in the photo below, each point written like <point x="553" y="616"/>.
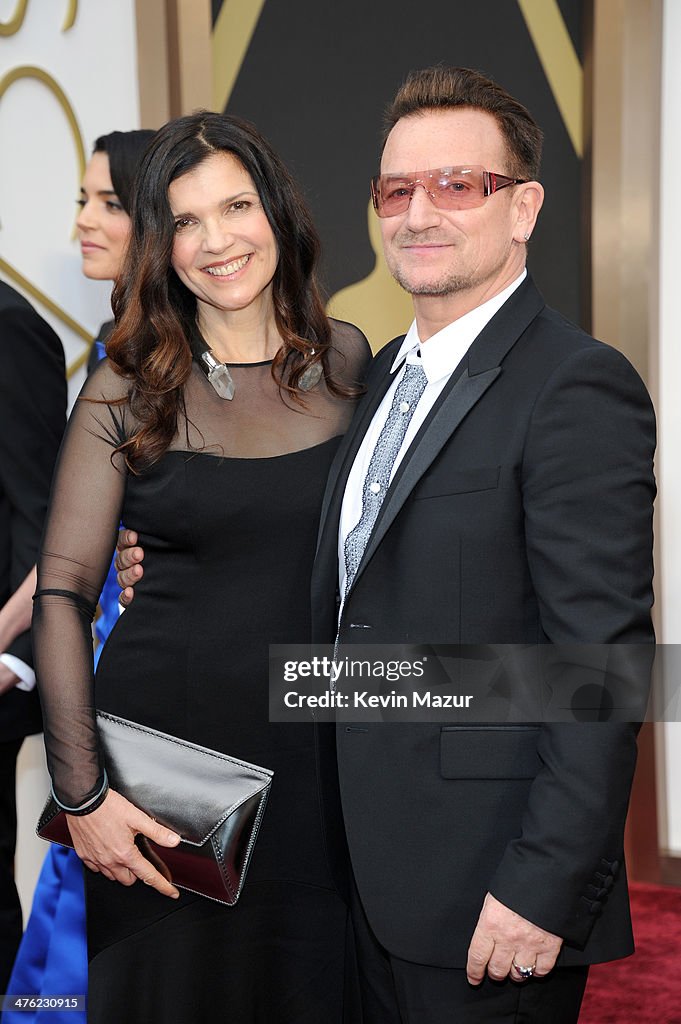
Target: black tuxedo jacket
<point x="521" y="514"/>
<point x="32" y="417"/>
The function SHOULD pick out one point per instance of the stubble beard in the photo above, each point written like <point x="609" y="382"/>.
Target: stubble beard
<point x="448" y="283"/>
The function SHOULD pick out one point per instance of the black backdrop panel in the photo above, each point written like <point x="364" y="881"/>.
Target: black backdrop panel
<point x="317" y="77"/>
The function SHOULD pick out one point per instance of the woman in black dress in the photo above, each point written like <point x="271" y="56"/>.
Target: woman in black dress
<point x="225" y="493"/>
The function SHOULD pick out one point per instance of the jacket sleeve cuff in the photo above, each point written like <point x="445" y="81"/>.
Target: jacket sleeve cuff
<point x="569" y="911"/>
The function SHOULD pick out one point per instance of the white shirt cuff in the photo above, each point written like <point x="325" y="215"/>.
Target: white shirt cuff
<point x="21" y="669"/>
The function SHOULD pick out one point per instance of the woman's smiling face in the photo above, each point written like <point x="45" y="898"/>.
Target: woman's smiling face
<point x="224" y="251"/>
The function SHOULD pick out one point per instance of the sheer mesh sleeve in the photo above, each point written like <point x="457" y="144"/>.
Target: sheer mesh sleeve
<point x="79" y="538"/>
<point x="351" y="354"/>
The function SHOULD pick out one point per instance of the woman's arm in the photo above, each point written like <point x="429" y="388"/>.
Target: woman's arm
<point x="80" y="535"/>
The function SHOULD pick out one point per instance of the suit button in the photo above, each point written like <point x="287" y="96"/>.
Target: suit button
<point x="614" y="867"/>
<point x="595" y="907"/>
<point x="608" y="883"/>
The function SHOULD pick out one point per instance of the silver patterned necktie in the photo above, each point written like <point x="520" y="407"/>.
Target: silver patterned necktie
<point x="377" y="480"/>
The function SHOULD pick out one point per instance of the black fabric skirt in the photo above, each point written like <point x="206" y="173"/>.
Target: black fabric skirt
<point x="283" y="955"/>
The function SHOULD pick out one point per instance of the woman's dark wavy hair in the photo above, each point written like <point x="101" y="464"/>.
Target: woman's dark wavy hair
<point x="125" y="151"/>
<point x="156" y="314"/>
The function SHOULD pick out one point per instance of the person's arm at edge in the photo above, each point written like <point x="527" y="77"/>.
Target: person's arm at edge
<point x="15" y="614"/>
<point x="15" y="618"/>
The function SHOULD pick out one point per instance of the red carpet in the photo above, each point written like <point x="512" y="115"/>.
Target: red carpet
<point x="646" y="987"/>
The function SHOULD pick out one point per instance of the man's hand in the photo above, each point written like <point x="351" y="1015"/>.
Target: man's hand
<point x="8" y="679"/>
<point x="128" y="565"/>
<point x="502" y="938"/>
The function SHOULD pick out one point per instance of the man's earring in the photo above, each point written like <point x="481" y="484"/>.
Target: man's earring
<point x="526" y="236"/>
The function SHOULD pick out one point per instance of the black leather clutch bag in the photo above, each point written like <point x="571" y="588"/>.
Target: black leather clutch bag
<point x="215" y="802"/>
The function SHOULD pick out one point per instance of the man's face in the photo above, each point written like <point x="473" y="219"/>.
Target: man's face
<point x="445" y="252"/>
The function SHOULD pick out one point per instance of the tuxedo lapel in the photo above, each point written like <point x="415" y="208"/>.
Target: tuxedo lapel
<point x="379" y="381"/>
<point x="439" y="426"/>
<point x="325" y="569"/>
<point x="465" y="388"/>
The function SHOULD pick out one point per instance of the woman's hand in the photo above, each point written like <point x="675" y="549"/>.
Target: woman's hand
<point x="105" y="841"/>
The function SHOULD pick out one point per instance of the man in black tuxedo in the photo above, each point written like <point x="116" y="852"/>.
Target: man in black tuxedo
<point x="518" y="511"/>
<point x="32" y="417"/>
<point x="515" y="507"/>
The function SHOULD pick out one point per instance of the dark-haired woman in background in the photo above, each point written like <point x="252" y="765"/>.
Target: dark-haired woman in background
<point x="104" y="226"/>
<point x="104" y="219"/>
<point x="225" y="485"/>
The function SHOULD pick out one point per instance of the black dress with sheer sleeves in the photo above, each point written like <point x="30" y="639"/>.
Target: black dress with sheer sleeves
<point x="228" y="520"/>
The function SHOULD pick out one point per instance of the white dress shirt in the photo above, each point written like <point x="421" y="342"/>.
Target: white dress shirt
<point x="439" y="357"/>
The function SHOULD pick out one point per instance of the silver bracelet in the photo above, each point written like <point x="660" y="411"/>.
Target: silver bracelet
<point x="92" y="805"/>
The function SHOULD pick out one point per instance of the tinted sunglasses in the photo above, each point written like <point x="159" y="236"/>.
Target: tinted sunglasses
<point x="449" y="188"/>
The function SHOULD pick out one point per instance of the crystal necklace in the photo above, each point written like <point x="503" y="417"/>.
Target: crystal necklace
<point x="221" y="379"/>
<point x="218" y="374"/>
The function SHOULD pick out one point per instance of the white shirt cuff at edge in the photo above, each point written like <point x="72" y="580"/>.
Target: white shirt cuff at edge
<point x="21" y="669"/>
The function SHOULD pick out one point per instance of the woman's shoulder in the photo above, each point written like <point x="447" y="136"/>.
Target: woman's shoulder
<point x="350" y="352"/>
<point x="105" y="384"/>
<point x="103" y="405"/>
